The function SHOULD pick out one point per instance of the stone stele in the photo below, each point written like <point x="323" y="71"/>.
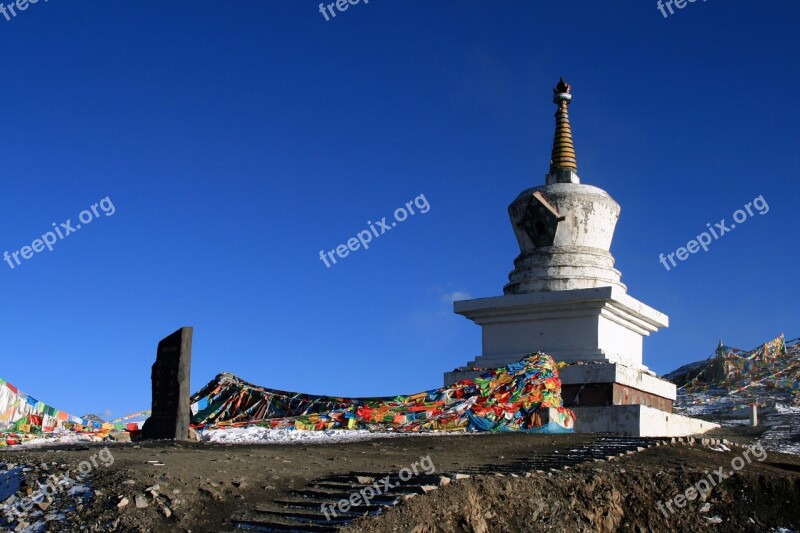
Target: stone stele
<point x="171" y="414"/>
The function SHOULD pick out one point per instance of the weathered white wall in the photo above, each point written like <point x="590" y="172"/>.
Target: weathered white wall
<point x="603" y="324"/>
<point x="579" y="257"/>
<point x="638" y="421"/>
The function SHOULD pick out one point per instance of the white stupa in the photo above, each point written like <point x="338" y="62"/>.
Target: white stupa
<point x="564" y="297"/>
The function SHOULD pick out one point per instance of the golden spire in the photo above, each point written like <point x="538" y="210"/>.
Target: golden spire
<point x="563" y="156"/>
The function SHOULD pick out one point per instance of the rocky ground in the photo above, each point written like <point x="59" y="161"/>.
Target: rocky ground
<point x="202" y="487"/>
<point x="621" y="495"/>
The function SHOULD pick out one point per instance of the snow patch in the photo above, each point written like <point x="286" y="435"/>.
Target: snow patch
<point x="65" y="438"/>
<point x="261" y="435"/>
<point x="784" y="409"/>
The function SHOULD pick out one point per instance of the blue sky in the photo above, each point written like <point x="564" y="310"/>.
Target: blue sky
<point x="237" y="140"/>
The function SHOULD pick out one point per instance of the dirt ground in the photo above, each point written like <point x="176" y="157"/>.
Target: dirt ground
<point x="199" y="487"/>
<point x="620" y="495"/>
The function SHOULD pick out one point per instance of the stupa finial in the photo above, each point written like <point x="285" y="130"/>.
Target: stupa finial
<point x="563" y="163"/>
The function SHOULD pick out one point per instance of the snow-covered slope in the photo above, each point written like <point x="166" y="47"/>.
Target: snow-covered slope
<point x="723" y="387"/>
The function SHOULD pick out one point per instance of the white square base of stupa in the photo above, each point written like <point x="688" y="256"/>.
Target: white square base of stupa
<point x="599" y="332"/>
<point x="601" y="324"/>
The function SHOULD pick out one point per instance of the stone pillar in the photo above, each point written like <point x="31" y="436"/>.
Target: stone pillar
<point x="754" y="414"/>
<point x="171" y="414"/>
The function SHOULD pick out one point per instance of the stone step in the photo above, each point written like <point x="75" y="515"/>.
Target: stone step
<point x="309" y="504"/>
<point x="313" y="517"/>
<point x="308" y="519"/>
<point x="333" y="497"/>
<point x="277" y="526"/>
<point x="400" y="489"/>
